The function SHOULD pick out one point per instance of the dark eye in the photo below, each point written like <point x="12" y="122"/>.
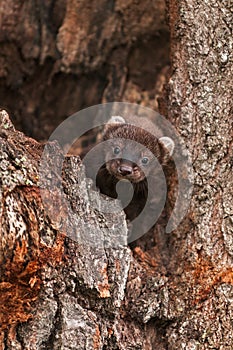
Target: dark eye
<point x="145" y="160"/>
<point x="116" y="150"/>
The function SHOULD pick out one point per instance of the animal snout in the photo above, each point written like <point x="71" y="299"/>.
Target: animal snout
<point x="125" y="170"/>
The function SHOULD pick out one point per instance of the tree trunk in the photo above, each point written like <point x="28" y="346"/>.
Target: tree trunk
<point x="60" y="56"/>
<point x="56" y="293"/>
<point x="200" y="106"/>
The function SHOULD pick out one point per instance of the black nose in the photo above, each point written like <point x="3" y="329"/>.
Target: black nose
<point x="125" y="170"/>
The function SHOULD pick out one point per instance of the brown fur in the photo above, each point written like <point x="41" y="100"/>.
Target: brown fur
<point x="148" y="145"/>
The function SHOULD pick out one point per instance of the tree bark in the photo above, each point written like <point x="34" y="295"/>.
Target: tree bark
<point x="52" y="295"/>
<point x="200" y="106"/>
<point x="60" y="56"/>
<point x="59" y="294"/>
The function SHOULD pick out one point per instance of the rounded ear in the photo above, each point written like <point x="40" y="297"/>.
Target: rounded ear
<point x="116" y="119"/>
<point x="168" y="144"/>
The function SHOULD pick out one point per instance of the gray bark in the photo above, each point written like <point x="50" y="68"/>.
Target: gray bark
<point x="200" y="106"/>
<point x="68" y="291"/>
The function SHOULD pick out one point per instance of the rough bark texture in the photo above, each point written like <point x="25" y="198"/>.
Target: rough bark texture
<point x="200" y="106"/>
<point x="58" y="294"/>
<point x="58" y="57"/>
<point x="69" y="292"/>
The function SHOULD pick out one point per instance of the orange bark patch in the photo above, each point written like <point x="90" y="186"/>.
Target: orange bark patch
<point x="146" y="259"/>
<point x="96" y="340"/>
<point x="110" y="331"/>
<point x="16" y="292"/>
<point x="206" y="276"/>
<point x="54" y="254"/>
<point x="104" y="286"/>
<point x="21" y="282"/>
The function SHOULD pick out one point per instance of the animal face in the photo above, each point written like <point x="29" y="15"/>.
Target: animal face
<point x="128" y="160"/>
